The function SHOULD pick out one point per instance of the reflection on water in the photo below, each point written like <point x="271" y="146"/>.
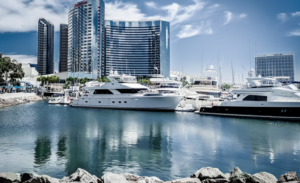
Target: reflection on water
<point x="42" y="151"/>
<point x="56" y="140"/>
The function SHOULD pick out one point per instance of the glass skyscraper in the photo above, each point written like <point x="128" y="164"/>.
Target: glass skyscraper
<point x="63" y="48"/>
<point x="140" y="48"/>
<point x="85" y="21"/>
<point x="45" y="56"/>
<point x="275" y="65"/>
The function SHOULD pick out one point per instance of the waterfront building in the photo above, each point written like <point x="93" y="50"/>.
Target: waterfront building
<point x="29" y="71"/>
<point x="45" y="56"/>
<point x="280" y="66"/>
<point x="85" y="26"/>
<point x="63" y="49"/>
<point x="139" y="48"/>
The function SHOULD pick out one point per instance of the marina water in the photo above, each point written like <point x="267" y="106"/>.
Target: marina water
<point x="56" y="140"/>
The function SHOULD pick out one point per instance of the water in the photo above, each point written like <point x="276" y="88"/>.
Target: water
<point x="56" y="140"/>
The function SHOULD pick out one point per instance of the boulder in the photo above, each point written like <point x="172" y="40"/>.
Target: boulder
<point x="288" y="177"/>
<point x="81" y="176"/>
<point x="130" y="178"/>
<point x="215" y="181"/>
<point x="42" y="179"/>
<point x="10" y="177"/>
<point x="237" y="176"/>
<point x="227" y="175"/>
<point x="113" y="178"/>
<point x="264" y="177"/>
<point x="27" y="176"/>
<point x="186" y="180"/>
<point x="208" y="173"/>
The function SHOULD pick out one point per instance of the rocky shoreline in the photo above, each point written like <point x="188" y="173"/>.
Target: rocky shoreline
<point x="204" y="175"/>
<point x="6" y="102"/>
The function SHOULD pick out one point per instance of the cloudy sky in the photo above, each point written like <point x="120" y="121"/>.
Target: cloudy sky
<point x="215" y="31"/>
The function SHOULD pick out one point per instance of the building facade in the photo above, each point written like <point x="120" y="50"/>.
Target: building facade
<point x="138" y="48"/>
<point x="280" y="66"/>
<point x="45" y="56"/>
<point x="63" y="48"/>
<point x="85" y="26"/>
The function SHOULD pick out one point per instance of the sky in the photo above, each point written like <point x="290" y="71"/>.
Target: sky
<point x="203" y="32"/>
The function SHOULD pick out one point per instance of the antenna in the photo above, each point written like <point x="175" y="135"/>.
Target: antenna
<point x="249" y="55"/>
<point x="232" y="74"/>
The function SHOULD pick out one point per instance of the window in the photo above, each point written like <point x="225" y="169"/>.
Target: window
<point x="125" y="102"/>
<point x="120" y="102"/>
<point x="99" y="102"/>
<point x="255" y="98"/>
<point x="113" y="101"/>
<point x="86" y="101"/>
<point x="102" y="92"/>
<point x="130" y="90"/>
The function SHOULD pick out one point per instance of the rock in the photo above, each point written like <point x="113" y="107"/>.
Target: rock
<point x="10" y="177"/>
<point x="186" y="180"/>
<point x="42" y="179"/>
<point x="237" y="176"/>
<point x="149" y="180"/>
<point x="288" y="177"/>
<point x="264" y="177"/>
<point x="27" y="176"/>
<point x="113" y="178"/>
<point x="81" y="176"/>
<point x="130" y="177"/>
<point x="227" y="175"/>
<point x="208" y="173"/>
<point x="215" y="181"/>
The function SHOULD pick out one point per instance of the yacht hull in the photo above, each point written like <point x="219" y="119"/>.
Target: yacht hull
<point x="154" y="103"/>
<point x="282" y="113"/>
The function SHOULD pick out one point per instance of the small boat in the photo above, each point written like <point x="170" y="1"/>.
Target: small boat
<point x="60" y="99"/>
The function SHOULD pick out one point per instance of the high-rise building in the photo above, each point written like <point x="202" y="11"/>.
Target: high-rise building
<point x="140" y="48"/>
<point x="63" y="49"/>
<point x="45" y="47"/>
<point x="85" y="21"/>
<point x="280" y="66"/>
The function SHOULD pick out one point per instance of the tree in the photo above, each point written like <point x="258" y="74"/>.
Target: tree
<point x="225" y="86"/>
<point x="10" y="68"/>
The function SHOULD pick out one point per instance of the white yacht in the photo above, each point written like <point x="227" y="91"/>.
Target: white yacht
<point x="207" y="83"/>
<point x="261" y="98"/>
<point x="118" y="94"/>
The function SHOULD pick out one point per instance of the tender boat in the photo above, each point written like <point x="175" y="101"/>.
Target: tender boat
<point x="119" y="94"/>
<point x="60" y="99"/>
<point x="261" y="98"/>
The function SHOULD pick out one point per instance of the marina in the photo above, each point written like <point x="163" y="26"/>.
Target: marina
<point x="57" y="139"/>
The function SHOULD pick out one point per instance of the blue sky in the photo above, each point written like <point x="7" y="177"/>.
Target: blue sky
<point x="199" y="29"/>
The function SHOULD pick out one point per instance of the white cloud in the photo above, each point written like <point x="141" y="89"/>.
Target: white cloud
<point x="123" y="11"/>
<point x="228" y="16"/>
<point x="151" y="4"/>
<point x="23" y="58"/>
<point x="296" y="13"/>
<point x="243" y="15"/>
<point x="282" y="17"/>
<point x="192" y="30"/>
<point x="294" y="33"/>
<point x="23" y="15"/>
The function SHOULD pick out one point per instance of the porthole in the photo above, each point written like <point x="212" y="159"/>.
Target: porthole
<point x="125" y="102"/>
<point x="86" y="101"/>
<point x="113" y="101"/>
<point x="99" y="102"/>
<point x="120" y="102"/>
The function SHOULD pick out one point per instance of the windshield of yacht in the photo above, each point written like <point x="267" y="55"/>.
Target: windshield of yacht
<point x="169" y="85"/>
<point x="264" y="83"/>
<point x="291" y="86"/>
